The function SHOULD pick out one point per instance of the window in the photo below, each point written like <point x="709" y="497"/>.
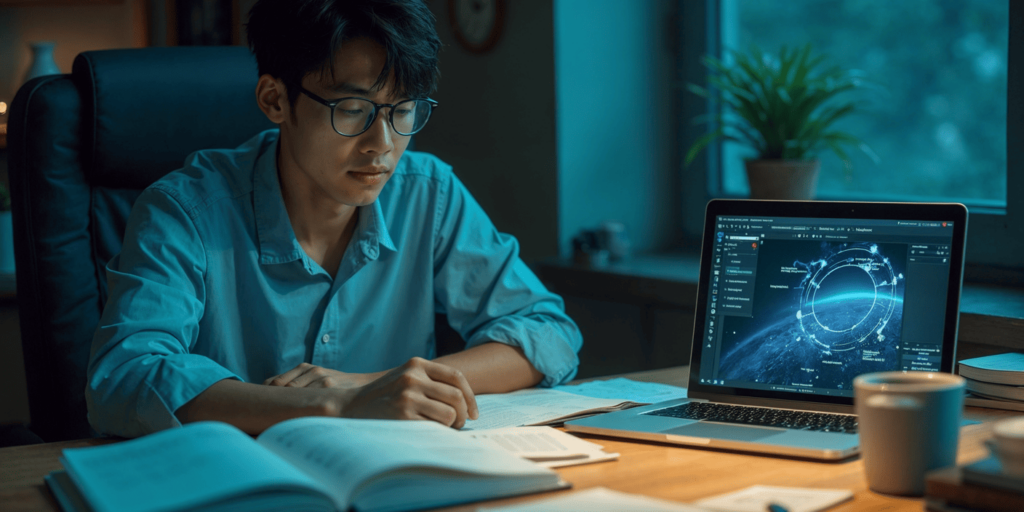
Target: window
<point x="940" y="124"/>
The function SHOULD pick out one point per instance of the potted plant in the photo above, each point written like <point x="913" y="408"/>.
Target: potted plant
<point x="784" y="109"/>
<point x="6" y="232"/>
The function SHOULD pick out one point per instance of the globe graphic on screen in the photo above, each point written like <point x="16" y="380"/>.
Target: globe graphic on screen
<point x="847" y="299"/>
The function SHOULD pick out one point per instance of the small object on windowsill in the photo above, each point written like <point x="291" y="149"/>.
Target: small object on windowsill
<point x="587" y="251"/>
<point x="592" y="258"/>
<point x="612" y="236"/>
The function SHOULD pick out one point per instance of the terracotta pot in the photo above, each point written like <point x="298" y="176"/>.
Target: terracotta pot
<point x="782" y="179"/>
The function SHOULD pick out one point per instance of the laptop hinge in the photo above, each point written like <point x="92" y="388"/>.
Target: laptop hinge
<point x="773" y="402"/>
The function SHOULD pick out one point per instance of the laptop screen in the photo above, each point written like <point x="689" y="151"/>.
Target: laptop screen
<point x="805" y="304"/>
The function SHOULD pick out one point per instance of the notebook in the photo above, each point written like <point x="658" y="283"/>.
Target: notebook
<point x="795" y="299"/>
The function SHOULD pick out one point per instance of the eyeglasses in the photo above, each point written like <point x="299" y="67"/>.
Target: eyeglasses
<point x="352" y="116"/>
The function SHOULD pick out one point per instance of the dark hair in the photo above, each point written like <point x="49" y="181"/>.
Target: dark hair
<point x="292" y="38"/>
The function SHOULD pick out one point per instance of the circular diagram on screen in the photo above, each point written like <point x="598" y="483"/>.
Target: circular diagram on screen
<point x="848" y="299"/>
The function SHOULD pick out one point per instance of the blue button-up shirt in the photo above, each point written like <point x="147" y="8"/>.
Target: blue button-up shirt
<point x="211" y="284"/>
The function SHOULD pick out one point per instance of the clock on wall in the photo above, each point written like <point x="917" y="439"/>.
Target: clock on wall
<point x="477" y="23"/>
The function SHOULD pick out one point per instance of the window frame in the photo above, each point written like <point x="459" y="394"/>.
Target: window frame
<point x="699" y="27"/>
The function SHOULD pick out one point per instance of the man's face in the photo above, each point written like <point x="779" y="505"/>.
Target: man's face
<point x="346" y="170"/>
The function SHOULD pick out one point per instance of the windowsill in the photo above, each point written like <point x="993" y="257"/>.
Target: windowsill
<point x="991" y="315"/>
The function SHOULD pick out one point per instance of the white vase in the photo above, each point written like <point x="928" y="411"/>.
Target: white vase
<point x="6" y="244"/>
<point x="42" y="60"/>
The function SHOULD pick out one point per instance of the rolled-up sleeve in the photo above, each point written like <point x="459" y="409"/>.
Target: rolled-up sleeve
<point x="489" y="294"/>
<point x="140" y="369"/>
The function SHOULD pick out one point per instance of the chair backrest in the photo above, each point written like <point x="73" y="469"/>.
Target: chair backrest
<point x="81" y="149"/>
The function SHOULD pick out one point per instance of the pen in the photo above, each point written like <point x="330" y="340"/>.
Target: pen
<point x="775" y="507"/>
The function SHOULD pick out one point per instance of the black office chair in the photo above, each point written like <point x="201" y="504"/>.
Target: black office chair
<point x="81" y="149"/>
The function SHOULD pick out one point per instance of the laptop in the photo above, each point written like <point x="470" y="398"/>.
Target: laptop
<point x="795" y="299"/>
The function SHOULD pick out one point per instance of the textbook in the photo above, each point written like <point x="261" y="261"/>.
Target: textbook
<point x="997" y="391"/>
<point x="949" y="489"/>
<point x="316" y="464"/>
<point x="1007" y="369"/>
<point x="973" y="400"/>
<point x="988" y="472"/>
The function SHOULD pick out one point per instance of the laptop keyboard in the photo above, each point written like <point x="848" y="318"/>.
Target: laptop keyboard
<point x="760" y="416"/>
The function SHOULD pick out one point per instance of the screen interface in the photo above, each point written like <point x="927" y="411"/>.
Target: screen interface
<point x="805" y="305"/>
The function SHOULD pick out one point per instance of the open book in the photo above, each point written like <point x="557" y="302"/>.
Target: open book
<point x="303" y="464"/>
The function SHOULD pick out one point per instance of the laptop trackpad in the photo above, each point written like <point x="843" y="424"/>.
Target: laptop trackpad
<point x="720" y="431"/>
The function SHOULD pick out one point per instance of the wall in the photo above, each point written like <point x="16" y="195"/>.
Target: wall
<point x="75" y="29"/>
<point x="569" y="121"/>
<point x="496" y="123"/>
<point x="616" y="112"/>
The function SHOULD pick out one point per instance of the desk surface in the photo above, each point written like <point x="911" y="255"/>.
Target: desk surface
<point x="664" y="471"/>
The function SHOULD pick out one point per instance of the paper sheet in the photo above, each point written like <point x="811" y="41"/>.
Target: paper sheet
<point x="794" y="499"/>
<point x="533" y="406"/>
<point x="625" y="389"/>
<point x="597" y="499"/>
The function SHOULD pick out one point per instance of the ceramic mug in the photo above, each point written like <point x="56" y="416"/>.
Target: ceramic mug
<point x="909" y="425"/>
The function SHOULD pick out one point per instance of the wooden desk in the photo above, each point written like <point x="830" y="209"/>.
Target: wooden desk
<point x="664" y="471"/>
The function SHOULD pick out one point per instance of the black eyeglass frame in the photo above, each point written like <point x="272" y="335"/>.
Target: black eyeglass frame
<point x="377" y="107"/>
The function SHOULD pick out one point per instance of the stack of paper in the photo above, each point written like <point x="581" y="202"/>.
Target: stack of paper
<point x="552" y="407"/>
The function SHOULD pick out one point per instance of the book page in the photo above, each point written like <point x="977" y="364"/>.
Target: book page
<point x="544" y="445"/>
<point x="178" y="469"/>
<point x="536" y="406"/>
<point x="345" y="455"/>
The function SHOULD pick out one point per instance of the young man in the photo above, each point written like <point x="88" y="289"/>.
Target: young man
<point x="299" y="273"/>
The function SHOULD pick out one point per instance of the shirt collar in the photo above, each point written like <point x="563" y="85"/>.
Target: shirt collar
<point x="274" y="229"/>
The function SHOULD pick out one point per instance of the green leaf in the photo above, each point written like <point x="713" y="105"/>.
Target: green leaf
<point x="782" y="106"/>
<point x="698" y="90"/>
<point x="700" y="144"/>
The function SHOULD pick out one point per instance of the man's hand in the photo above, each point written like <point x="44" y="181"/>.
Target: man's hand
<point x="417" y="390"/>
<point x="307" y="375"/>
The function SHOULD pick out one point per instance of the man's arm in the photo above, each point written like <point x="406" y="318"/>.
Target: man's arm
<point x="487" y="368"/>
<point x="492" y="298"/>
<point x="494" y="368"/>
<point x="417" y="390"/>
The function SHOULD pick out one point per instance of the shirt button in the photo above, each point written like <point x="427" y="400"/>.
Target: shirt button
<point x="326" y="338"/>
